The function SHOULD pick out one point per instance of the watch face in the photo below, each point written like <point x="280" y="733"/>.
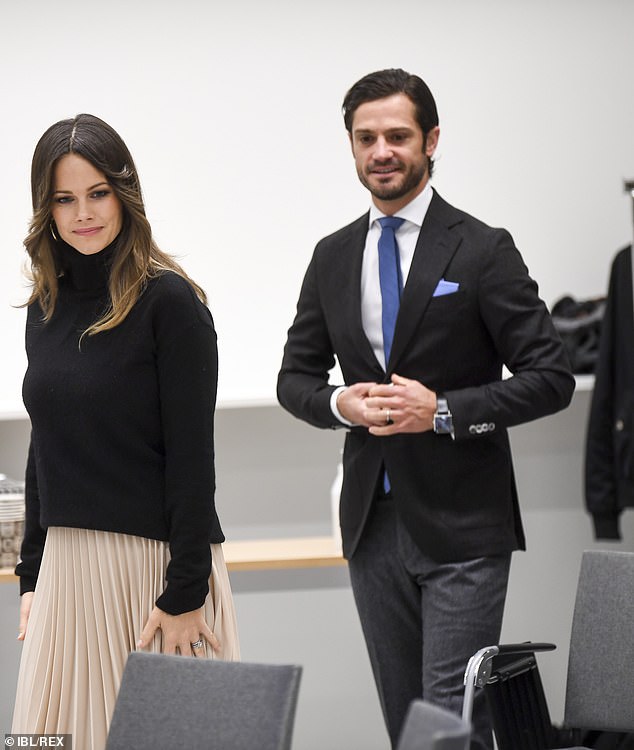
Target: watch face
<point x="443" y="423"/>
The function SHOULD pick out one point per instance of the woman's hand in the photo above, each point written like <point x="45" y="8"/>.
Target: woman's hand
<point x="179" y="632"/>
<point x="26" y="601"/>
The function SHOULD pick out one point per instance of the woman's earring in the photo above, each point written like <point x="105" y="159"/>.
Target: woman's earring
<point x="55" y="237"/>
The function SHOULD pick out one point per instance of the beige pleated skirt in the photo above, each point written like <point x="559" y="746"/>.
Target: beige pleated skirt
<point x="94" y="594"/>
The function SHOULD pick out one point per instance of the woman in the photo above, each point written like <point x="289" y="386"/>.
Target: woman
<point x="122" y="541"/>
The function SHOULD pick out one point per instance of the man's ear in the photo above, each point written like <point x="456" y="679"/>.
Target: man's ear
<point x="431" y="141"/>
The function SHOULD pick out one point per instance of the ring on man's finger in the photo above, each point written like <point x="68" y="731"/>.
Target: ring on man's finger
<point x="198" y="643"/>
<point x="388" y="417"/>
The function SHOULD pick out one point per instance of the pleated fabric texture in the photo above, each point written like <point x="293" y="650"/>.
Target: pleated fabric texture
<point x="94" y="594"/>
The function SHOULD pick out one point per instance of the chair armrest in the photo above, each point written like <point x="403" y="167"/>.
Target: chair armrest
<point x="525" y="648"/>
<point x="480" y="665"/>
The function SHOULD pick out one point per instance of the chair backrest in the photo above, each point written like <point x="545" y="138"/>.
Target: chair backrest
<point x="517" y="704"/>
<point x="173" y="701"/>
<point x="429" y="727"/>
<point x="601" y="660"/>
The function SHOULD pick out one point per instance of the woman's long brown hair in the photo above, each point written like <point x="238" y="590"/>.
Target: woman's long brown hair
<point x="137" y="257"/>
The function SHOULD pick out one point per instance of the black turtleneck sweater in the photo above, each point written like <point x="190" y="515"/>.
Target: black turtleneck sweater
<point x="122" y="425"/>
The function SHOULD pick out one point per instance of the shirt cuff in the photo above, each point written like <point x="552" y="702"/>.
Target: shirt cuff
<point x="333" y="405"/>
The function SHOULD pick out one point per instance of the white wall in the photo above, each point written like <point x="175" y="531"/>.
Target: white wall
<point x="232" y="111"/>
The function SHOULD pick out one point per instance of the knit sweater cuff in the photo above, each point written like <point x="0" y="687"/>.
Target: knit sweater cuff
<point x="28" y="575"/>
<point x="26" y="584"/>
<point x="187" y="573"/>
<point x="176" y="600"/>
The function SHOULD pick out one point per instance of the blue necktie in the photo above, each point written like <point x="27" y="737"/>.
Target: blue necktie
<point x="391" y="281"/>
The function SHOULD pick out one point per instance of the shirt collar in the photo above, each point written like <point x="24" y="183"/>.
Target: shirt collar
<point x="413" y="212"/>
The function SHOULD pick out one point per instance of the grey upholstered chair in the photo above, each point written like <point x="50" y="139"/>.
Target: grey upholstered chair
<point x="601" y="657"/>
<point x="600" y="666"/>
<point x="428" y="727"/>
<point x="172" y="701"/>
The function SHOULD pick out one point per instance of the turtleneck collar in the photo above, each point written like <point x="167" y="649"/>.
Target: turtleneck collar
<point x="86" y="272"/>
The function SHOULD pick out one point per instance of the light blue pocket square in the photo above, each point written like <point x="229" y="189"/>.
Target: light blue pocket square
<point x="446" y="287"/>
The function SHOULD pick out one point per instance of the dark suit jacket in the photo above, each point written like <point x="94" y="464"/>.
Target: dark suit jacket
<point x="457" y="497"/>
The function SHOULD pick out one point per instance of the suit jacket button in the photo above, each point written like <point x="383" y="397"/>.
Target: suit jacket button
<point x="619" y="425"/>
<point x="491" y="426"/>
<point x="472" y="429"/>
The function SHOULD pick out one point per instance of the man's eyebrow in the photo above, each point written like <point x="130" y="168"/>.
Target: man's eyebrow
<point x="395" y="129"/>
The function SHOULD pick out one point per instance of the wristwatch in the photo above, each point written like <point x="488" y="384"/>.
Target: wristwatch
<point x="443" y="421"/>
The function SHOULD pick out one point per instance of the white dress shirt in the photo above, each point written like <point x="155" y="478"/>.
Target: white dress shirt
<point x="371" y="302"/>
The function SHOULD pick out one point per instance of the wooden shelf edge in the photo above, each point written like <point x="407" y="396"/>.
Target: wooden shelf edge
<point x="266" y="554"/>
<point x="270" y="554"/>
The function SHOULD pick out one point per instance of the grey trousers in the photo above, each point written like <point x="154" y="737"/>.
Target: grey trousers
<point x="422" y="620"/>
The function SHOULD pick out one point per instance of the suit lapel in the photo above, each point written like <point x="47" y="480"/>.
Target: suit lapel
<point x="353" y="248"/>
<point x="435" y="248"/>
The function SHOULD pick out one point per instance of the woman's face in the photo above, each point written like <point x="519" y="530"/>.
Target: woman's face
<point x="85" y="208"/>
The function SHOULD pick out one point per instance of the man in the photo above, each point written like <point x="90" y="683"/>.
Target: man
<point x="429" y="511"/>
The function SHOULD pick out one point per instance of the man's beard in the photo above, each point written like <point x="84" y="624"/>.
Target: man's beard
<point x="390" y="192"/>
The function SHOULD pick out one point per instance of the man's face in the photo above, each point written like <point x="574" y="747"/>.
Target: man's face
<point x="390" y="152"/>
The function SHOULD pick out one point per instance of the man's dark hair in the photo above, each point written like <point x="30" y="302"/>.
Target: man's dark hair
<point x="386" y="83"/>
